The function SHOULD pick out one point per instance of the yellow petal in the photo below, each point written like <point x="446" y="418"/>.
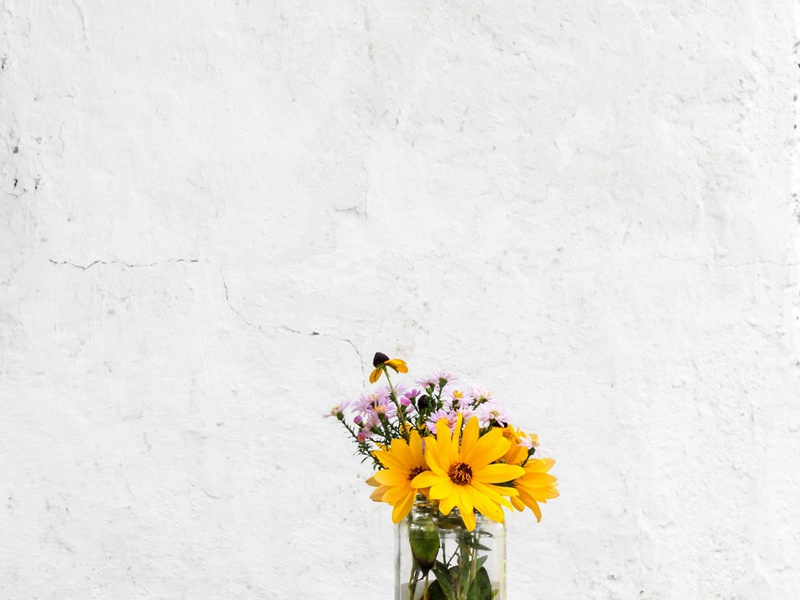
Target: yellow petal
<point x="402" y="509"/>
<point x="443" y="429"/>
<point x="397" y="364"/>
<point x="484" y="506"/>
<point x="389" y="460"/>
<point x="498" y="473"/>
<point x="447" y="504"/>
<point x="456" y="435"/>
<point x="401" y="450"/>
<point x="538" y="480"/>
<point x="470" y="436"/>
<point x="415" y="445"/>
<point x="444" y="444"/>
<point x="375" y="375"/>
<point x="392" y="478"/>
<point x="539" y="465"/>
<point x="397" y="494"/>
<point x="469" y="518"/>
<point x="378" y="494"/>
<point x="464" y="499"/>
<point x="493" y="492"/>
<point x="433" y="459"/>
<point x="427" y="479"/>
<point x="442" y="489"/>
<point x="487" y="449"/>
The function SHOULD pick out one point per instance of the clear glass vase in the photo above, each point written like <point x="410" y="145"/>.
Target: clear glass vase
<point x="437" y="558"/>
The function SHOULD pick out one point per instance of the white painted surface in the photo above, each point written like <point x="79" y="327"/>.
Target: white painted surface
<point x="213" y="213"/>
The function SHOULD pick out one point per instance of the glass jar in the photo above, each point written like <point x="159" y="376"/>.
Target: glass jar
<point x="437" y="558"/>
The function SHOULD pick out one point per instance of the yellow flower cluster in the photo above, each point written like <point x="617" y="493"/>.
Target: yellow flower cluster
<point x="465" y="470"/>
<point x="452" y="445"/>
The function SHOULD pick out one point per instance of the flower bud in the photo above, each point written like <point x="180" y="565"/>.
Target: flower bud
<point x="423" y="536"/>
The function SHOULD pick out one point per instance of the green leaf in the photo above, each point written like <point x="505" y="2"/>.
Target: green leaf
<point x="435" y="592"/>
<point x="464" y="578"/>
<point x="443" y="581"/>
<point x="481" y="588"/>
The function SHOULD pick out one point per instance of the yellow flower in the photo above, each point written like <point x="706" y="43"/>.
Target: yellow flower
<point x="536" y="485"/>
<point x="520" y="442"/>
<point x="381" y="361"/>
<point x="380" y="490"/>
<point x="516" y="454"/>
<point x="463" y="476"/>
<point x="403" y="461"/>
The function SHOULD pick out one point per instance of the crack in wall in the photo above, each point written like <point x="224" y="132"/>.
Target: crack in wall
<point x="285" y="328"/>
<point x="124" y="264"/>
<point x="347" y="341"/>
<point x="82" y="16"/>
<point x="236" y="312"/>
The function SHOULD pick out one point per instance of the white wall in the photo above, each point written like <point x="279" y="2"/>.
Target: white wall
<point x="214" y="212"/>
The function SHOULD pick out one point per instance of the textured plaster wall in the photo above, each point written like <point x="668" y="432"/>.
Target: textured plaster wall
<point x="214" y="212"/>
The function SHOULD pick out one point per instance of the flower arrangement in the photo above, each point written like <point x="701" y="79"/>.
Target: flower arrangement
<point x="449" y="452"/>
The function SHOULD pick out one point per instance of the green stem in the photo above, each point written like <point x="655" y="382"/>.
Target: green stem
<point x="387" y="433"/>
<point x="400" y="412"/>
<point x="412" y="583"/>
<point x="473" y="563"/>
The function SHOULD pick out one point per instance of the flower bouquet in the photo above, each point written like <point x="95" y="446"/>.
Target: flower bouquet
<point x="448" y="461"/>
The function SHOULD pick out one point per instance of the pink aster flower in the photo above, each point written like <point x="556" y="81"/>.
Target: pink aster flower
<point x="530" y="440"/>
<point x="436" y="378"/>
<point x="491" y="413"/>
<point x="337" y="410"/>
<point x="460" y="400"/>
<point x="370" y="420"/>
<point x="543" y="452"/>
<point x="384" y="408"/>
<point x="451" y="415"/>
<point x="368" y="400"/>
<point x="400" y="390"/>
<point x="442" y="413"/>
<point x="480" y="393"/>
<point x="468" y="414"/>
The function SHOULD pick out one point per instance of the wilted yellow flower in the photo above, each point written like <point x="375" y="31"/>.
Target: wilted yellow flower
<point x="381" y="361"/>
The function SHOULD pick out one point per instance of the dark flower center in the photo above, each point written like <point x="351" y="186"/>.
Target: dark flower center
<point x="414" y="472"/>
<point x="379" y="359"/>
<point x="460" y="473"/>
